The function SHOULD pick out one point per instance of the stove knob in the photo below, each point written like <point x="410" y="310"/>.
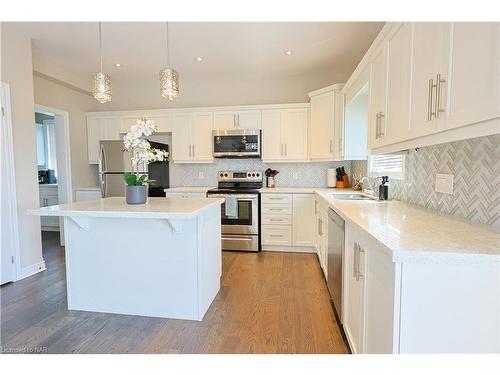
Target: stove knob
<point x="249" y="174"/>
<point x="253" y="174"/>
<point x="225" y="174"/>
<point x="222" y="174"/>
<point x="258" y="174"/>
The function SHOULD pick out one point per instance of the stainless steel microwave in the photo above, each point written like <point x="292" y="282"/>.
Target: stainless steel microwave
<point x="244" y="143"/>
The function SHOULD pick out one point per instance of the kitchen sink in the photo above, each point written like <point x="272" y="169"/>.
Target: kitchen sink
<point x="353" y="197"/>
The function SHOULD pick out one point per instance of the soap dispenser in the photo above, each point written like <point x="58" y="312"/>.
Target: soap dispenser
<point x="383" y="189"/>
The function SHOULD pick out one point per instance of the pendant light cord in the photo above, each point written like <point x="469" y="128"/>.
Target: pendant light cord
<point x="100" y="46"/>
<point x="168" y="50"/>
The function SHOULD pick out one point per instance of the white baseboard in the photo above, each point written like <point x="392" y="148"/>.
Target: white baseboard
<point x="32" y="269"/>
<point x="289" y="249"/>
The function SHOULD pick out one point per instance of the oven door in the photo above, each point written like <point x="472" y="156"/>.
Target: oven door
<point x="247" y="220"/>
<point x="236" y="144"/>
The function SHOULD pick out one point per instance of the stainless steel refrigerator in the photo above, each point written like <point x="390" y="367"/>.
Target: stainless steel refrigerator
<point x="114" y="161"/>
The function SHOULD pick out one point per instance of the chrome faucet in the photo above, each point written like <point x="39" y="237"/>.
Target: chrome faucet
<point x="369" y="189"/>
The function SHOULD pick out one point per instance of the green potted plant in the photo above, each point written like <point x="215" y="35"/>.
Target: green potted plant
<point x="136" y="191"/>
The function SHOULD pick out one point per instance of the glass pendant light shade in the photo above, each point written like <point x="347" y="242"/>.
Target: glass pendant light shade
<point x="169" y="78"/>
<point x="169" y="83"/>
<point x="101" y="88"/>
<point x="101" y="85"/>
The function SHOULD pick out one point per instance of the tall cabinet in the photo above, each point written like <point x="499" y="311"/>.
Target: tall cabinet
<point x="324" y="135"/>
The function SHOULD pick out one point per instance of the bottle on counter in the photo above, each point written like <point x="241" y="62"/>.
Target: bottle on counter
<point x="383" y="189"/>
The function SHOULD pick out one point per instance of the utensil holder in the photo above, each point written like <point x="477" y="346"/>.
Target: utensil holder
<point x="270" y="182"/>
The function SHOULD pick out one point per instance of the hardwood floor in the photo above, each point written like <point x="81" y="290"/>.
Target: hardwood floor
<point x="268" y="303"/>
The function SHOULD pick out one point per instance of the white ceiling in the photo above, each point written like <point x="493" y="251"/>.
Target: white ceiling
<point x="242" y="51"/>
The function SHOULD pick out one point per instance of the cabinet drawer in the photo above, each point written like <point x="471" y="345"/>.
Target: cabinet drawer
<point x="277" y="235"/>
<point x="277" y="219"/>
<point x="276" y="198"/>
<point x="276" y="209"/>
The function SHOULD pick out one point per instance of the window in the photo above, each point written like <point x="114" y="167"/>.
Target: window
<point x="46" y="145"/>
<point x="387" y="165"/>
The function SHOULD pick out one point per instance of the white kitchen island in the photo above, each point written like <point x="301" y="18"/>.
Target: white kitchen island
<point x="160" y="259"/>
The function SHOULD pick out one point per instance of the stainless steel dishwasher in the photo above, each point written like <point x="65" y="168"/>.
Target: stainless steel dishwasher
<point x="336" y="229"/>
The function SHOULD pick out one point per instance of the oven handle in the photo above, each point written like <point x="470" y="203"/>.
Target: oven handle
<point x="238" y="196"/>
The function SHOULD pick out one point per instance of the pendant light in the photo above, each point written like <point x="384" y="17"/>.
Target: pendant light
<point x="169" y="78"/>
<point x="101" y="87"/>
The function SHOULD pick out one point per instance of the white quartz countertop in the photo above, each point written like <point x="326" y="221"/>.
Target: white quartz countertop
<point x="418" y="234"/>
<point x="116" y="207"/>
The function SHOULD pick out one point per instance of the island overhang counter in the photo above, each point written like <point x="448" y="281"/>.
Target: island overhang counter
<point x="159" y="259"/>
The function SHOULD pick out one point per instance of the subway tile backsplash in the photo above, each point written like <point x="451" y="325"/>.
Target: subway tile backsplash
<point x="312" y="174"/>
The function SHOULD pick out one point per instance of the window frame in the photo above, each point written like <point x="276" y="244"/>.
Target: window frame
<point x="392" y="175"/>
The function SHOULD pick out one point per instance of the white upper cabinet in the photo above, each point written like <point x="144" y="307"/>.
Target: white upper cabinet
<point x="321" y="129"/>
<point x="474" y="73"/>
<point x="377" y="98"/>
<point x="284" y="134"/>
<point x="429" y="78"/>
<point x="165" y="123"/>
<point x="181" y="137"/>
<point x="272" y="145"/>
<point x="294" y="133"/>
<point x="397" y="117"/>
<point x="201" y="135"/>
<point x="232" y="120"/>
<point x="95" y="132"/>
<point x="192" y="137"/>
<point x="112" y="129"/>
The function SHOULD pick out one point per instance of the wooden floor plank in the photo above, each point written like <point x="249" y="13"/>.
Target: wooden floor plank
<point x="268" y="303"/>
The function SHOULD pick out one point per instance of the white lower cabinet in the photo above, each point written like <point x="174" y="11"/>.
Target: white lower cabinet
<point x="87" y="194"/>
<point x="303" y="220"/>
<point x="49" y="196"/>
<point x="287" y="222"/>
<point x="417" y="306"/>
<point x="354" y="289"/>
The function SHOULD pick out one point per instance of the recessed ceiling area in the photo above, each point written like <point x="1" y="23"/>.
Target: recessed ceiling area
<point x="240" y="61"/>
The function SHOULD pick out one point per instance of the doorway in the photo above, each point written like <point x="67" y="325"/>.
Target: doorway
<point x="54" y="163"/>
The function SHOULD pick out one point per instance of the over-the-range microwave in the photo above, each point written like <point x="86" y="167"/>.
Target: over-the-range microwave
<point x="244" y="143"/>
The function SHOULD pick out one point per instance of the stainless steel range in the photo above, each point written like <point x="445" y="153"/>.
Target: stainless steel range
<point x="240" y="211"/>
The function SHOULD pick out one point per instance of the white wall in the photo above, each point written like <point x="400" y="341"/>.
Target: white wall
<point x="220" y="91"/>
<point x="16" y="69"/>
<point x="52" y="94"/>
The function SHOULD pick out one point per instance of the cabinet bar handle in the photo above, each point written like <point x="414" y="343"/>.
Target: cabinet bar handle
<point x="282" y="149"/>
<point x="193" y="151"/>
<point x="275" y="235"/>
<point x="286" y="149"/>
<point x="438" y="95"/>
<point x="354" y="261"/>
<point x="377" y="125"/>
<point x="331" y="150"/>
<point x="429" y="100"/>
<point x="360" y="250"/>
<point x="380" y="132"/>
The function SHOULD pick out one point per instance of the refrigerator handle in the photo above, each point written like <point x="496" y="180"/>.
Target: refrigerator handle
<point x="102" y="159"/>
<point x="102" y="183"/>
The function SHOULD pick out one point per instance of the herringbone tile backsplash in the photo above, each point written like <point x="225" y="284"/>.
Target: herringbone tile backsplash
<point x="476" y="166"/>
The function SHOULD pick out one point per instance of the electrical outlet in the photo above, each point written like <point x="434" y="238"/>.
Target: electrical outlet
<point x="295" y="175"/>
<point x="444" y="183"/>
<point x="201" y="175"/>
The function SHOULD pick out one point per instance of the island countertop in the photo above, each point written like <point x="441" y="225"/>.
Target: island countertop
<point x="116" y="207"/>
